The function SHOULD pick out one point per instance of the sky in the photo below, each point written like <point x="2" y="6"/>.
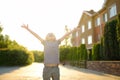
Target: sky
<point x="42" y="16"/>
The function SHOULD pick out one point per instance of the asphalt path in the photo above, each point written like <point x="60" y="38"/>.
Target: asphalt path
<point x="34" y="72"/>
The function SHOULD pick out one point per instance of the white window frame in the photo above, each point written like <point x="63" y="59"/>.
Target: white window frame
<point x="83" y="28"/>
<point x="90" y="39"/>
<point x="98" y="21"/>
<point x="105" y="19"/>
<point x="89" y="25"/>
<point x="83" y="40"/>
<point x="112" y="10"/>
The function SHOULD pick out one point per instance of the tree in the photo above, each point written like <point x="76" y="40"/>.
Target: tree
<point x="118" y="31"/>
<point x="1" y="28"/>
<point x="38" y="56"/>
<point x="2" y="38"/>
<point x="67" y="38"/>
<point x="11" y="53"/>
<point x="96" y="51"/>
<point x="118" y="28"/>
<point x="102" y="55"/>
<point x="83" y="52"/>
<point x="110" y="41"/>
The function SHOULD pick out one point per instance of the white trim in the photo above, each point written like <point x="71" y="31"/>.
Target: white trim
<point x="88" y="13"/>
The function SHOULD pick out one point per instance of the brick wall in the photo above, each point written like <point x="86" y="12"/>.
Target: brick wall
<point x="110" y="67"/>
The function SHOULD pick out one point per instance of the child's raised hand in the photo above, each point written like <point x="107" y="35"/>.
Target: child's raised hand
<point x="25" y="26"/>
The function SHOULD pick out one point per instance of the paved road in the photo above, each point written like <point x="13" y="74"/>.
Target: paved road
<point x="34" y="72"/>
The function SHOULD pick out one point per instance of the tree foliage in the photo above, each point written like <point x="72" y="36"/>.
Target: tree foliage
<point x="73" y="55"/>
<point x="38" y="56"/>
<point x="118" y="28"/>
<point x="96" y="52"/>
<point x="110" y="41"/>
<point x="11" y="53"/>
<point x="83" y="52"/>
<point x="118" y="31"/>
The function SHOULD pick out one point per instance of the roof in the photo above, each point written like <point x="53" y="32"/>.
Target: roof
<point x="104" y="4"/>
<point x="90" y="13"/>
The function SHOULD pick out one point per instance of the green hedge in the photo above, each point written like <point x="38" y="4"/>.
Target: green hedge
<point x="16" y="57"/>
<point x="96" y="52"/>
<point x="38" y="56"/>
<point x="73" y="55"/>
<point x="118" y="32"/>
<point x="111" y="44"/>
<point x="64" y="52"/>
<point x="83" y="52"/>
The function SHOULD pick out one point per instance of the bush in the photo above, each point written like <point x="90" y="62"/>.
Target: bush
<point x="73" y="55"/>
<point x="96" y="51"/>
<point x="38" y="56"/>
<point x="111" y="45"/>
<point x="16" y="57"/>
<point x="83" y="52"/>
<point x="64" y="52"/>
<point x="118" y="32"/>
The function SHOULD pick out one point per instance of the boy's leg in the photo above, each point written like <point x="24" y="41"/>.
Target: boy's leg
<point x="46" y="73"/>
<point x="56" y="73"/>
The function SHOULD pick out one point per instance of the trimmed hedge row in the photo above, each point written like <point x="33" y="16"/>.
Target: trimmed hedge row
<point x="96" y="52"/>
<point x="16" y="57"/>
<point x="38" y="56"/>
<point x="73" y="55"/>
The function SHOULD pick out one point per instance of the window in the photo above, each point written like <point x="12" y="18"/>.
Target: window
<point x="89" y="39"/>
<point x="112" y="10"/>
<point x="105" y="17"/>
<point x="83" y="28"/>
<point x="98" y="21"/>
<point x="89" y="24"/>
<point x="83" y="41"/>
<point x="77" y="33"/>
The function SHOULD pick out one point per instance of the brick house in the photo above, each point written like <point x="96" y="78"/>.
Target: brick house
<point x="92" y="24"/>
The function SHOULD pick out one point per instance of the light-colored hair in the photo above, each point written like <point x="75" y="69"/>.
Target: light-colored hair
<point x="50" y="35"/>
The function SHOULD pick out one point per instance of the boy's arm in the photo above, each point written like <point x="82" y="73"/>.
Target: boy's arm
<point x="36" y="35"/>
<point x="67" y="34"/>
